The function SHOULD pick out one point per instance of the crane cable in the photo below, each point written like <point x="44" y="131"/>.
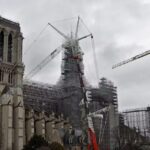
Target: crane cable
<point x="102" y="133"/>
<point x="35" y="40"/>
<point x="85" y="25"/>
<point x="94" y="53"/>
<point x="95" y="60"/>
<point x="66" y="19"/>
<point x="43" y="29"/>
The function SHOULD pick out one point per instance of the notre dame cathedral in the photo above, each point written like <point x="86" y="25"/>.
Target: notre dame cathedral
<point x="28" y="108"/>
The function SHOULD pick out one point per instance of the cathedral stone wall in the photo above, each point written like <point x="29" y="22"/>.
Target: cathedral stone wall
<point x="46" y="125"/>
<point x="11" y="77"/>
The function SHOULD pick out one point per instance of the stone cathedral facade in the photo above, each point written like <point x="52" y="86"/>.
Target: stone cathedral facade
<point x="11" y="75"/>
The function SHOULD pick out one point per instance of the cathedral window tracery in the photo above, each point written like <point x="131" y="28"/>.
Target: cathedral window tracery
<point x="1" y="45"/>
<point x="10" y="78"/>
<point x="1" y="75"/>
<point x="9" y="57"/>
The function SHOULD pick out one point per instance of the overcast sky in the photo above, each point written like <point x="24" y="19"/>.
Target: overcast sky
<point x="121" y="29"/>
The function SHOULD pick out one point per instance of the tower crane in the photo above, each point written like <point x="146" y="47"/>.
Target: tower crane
<point x="70" y="41"/>
<point x="131" y="59"/>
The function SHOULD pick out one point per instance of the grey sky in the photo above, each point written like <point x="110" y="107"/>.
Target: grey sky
<point x="121" y="29"/>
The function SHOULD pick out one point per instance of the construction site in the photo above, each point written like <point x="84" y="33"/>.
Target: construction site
<point x="84" y="117"/>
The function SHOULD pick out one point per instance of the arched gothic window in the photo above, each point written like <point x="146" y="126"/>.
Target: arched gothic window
<point x="10" y="78"/>
<point x="1" y="75"/>
<point x="1" y="45"/>
<point x="9" y="56"/>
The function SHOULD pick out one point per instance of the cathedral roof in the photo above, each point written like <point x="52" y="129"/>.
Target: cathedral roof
<point x="9" y="23"/>
<point x="41" y="96"/>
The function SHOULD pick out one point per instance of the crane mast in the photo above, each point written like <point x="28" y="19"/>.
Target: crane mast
<point x="86" y="117"/>
<point x="131" y="59"/>
<point x="72" y="45"/>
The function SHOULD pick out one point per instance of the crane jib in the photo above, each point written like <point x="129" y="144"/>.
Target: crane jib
<point x="132" y="59"/>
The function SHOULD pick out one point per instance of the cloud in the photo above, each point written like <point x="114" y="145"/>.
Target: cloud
<point x="120" y="28"/>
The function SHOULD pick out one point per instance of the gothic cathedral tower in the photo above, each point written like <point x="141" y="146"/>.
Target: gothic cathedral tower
<point x="11" y="83"/>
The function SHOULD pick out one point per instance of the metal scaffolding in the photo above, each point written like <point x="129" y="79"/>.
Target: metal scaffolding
<point x="138" y="119"/>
